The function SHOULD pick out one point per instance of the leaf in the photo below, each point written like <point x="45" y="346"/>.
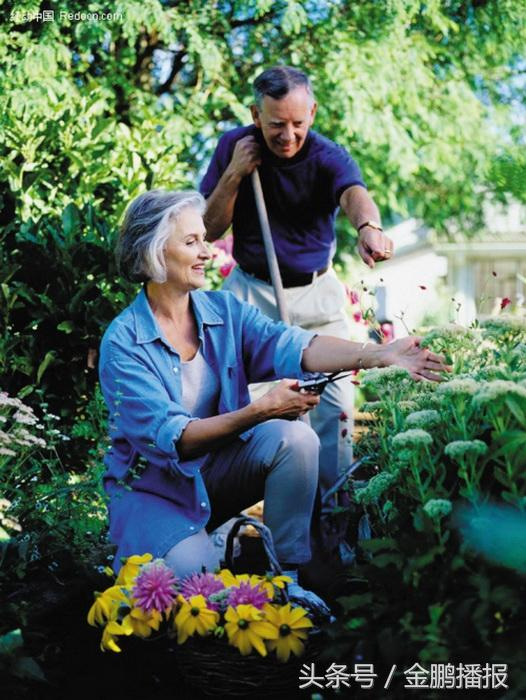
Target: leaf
<point x="11" y="641"/>
<point x="355" y="601"/>
<point x="516" y="409"/>
<point x="26" y="667"/>
<point x="48" y="359"/>
<point x="66" y="326"/>
<point x="377" y="544"/>
<point x="501" y="476"/>
<point x="70" y="220"/>
<point x="382" y="560"/>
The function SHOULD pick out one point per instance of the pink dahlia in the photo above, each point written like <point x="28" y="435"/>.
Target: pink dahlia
<point x="202" y="584"/>
<point x="155" y="586"/>
<point x="245" y="594"/>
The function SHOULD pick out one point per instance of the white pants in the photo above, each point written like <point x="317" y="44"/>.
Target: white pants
<point x="319" y="307"/>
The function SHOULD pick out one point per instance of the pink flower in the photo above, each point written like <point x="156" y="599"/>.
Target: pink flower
<point x="155" y="586"/>
<point x="225" y="244"/>
<point x="505" y="302"/>
<point x="355" y="297"/>
<point x="357" y="316"/>
<point x="227" y="268"/>
<point x="202" y="584"/>
<point x="245" y="594"/>
<point x="344" y="416"/>
<point x="387" y="332"/>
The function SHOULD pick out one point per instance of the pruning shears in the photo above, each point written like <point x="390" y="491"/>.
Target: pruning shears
<point x="318" y="383"/>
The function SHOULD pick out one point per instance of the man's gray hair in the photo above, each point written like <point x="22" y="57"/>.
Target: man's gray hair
<point x="145" y="230"/>
<point x="278" y="81"/>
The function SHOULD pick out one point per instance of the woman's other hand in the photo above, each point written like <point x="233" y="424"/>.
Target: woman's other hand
<point x="286" y="401"/>
<point x="419" y="362"/>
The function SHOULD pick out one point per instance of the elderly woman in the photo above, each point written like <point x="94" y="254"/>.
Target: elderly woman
<point x="189" y="450"/>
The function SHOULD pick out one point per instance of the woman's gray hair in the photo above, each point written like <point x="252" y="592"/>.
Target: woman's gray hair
<point x="145" y="230"/>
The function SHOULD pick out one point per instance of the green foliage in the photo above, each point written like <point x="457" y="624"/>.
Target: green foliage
<point x="425" y="95"/>
<point x="60" y="289"/>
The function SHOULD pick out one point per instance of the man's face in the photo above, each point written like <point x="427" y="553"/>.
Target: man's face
<point x="285" y="123"/>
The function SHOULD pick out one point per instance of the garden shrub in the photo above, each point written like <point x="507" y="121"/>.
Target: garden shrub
<point x="445" y="456"/>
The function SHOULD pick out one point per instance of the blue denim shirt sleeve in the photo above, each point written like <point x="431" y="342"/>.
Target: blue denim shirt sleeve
<point x="140" y="408"/>
<point x="272" y="350"/>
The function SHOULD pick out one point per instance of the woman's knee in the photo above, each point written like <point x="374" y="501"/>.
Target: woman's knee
<point x="191" y="554"/>
<point x="298" y="435"/>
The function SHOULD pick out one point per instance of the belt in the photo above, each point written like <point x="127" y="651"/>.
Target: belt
<point x="290" y="278"/>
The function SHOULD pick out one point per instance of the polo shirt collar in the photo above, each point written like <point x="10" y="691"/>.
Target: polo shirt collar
<point x="147" y="329"/>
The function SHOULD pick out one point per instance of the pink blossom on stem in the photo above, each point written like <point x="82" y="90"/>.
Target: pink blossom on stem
<point x="155" y="587"/>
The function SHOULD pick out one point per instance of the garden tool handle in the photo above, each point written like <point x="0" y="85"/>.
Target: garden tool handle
<point x="270" y="251"/>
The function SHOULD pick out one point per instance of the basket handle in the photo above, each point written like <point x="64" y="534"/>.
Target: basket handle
<point x="266" y="537"/>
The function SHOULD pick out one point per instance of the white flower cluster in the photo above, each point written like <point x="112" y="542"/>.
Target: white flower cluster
<point x="519" y="353"/>
<point x="6" y="521"/>
<point x="415" y="437"/>
<point x="423" y="419"/>
<point x="458" y="387"/>
<point x="372" y="406"/>
<point x="376" y="487"/>
<point x="459" y="449"/>
<point x="450" y="334"/>
<point x="15" y="435"/>
<point x="383" y="378"/>
<point x="501" y="325"/>
<point x="498" y="388"/>
<point x="407" y="406"/>
<point x="438" y="508"/>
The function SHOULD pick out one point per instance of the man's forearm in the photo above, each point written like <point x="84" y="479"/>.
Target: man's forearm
<point x="220" y="205"/>
<point x="358" y="206"/>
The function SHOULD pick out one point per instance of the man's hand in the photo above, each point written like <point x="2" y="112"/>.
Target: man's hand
<point x="374" y="245"/>
<point x="246" y="157"/>
<point x="419" y="362"/>
<point x="286" y="401"/>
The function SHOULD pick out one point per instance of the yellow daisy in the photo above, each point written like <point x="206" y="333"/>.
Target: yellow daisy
<point x="229" y="579"/>
<point x="130" y="569"/>
<point x="106" y="605"/>
<point x="270" y="581"/>
<point x="194" y="616"/>
<point x="111" y="632"/>
<point x="143" y="622"/>
<point x="247" y="628"/>
<point x="291" y="625"/>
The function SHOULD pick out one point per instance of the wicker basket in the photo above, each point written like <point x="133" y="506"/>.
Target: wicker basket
<point x="218" y="669"/>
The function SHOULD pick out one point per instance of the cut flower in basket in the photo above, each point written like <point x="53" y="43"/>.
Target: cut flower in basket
<point x="248" y="612"/>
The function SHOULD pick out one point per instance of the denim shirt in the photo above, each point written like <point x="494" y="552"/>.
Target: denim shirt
<point x="140" y="376"/>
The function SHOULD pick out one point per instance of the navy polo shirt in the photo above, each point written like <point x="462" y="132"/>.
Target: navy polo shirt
<point x="302" y="195"/>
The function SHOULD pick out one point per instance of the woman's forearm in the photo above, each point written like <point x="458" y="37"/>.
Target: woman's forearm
<point x="202" y="436"/>
<point x="329" y="354"/>
<point x="282" y="401"/>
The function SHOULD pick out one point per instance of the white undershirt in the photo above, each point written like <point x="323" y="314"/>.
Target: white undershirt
<point x="200" y="387"/>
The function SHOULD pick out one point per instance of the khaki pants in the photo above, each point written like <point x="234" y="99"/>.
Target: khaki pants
<point x="319" y="307"/>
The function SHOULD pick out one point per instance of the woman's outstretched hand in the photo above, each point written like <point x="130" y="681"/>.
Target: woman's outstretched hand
<point x="419" y="362"/>
<point x="286" y="401"/>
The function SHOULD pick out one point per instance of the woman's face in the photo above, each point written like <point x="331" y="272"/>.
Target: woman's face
<point x="186" y="252"/>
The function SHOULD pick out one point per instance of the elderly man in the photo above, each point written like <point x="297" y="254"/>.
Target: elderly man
<point x="305" y="178"/>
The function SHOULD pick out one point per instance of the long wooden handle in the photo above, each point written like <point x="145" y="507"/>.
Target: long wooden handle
<point x="270" y="251"/>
